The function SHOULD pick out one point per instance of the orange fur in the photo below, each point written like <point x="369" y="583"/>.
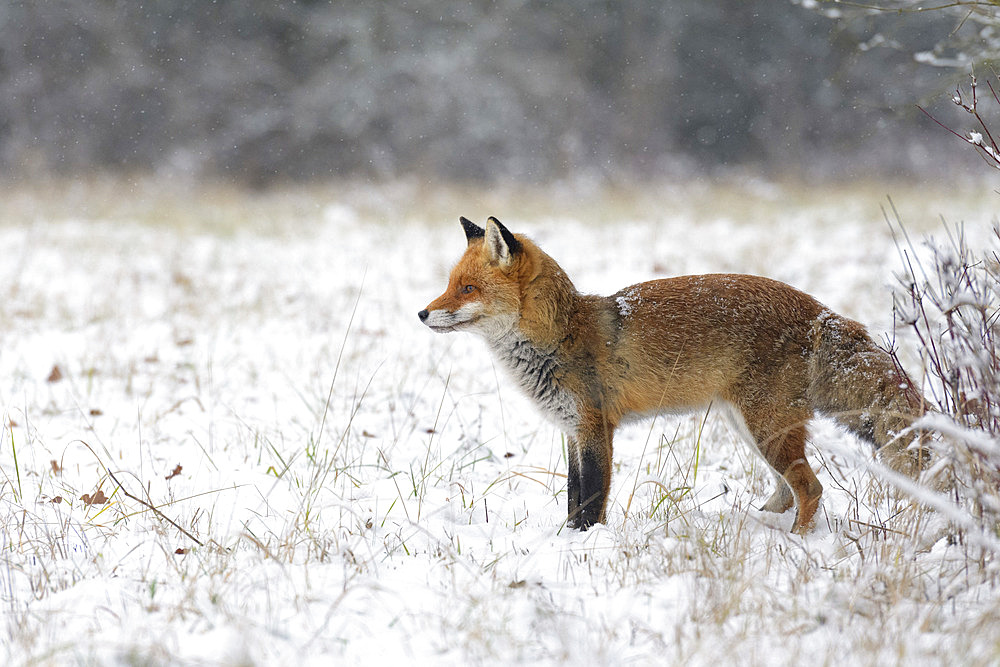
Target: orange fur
<point x="773" y="353"/>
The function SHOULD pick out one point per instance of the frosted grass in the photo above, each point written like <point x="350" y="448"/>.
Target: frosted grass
<point x="364" y="490"/>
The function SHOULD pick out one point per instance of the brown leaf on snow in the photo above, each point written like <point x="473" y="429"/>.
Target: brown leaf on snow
<point x="55" y="374"/>
<point x="97" y="499"/>
<point x="56" y="468"/>
<point x="181" y="551"/>
<point x="56" y="500"/>
<point x="177" y="471"/>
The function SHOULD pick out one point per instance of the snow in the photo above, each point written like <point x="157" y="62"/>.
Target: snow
<point x="366" y="491"/>
<point x="626" y="300"/>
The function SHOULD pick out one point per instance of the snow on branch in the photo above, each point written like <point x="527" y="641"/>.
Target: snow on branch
<point x="980" y="137"/>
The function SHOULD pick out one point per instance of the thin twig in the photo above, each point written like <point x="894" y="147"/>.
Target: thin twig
<point x="142" y="502"/>
<point x="153" y="508"/>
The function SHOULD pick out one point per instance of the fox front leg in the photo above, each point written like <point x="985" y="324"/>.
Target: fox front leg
<point x="588" y="479"/>
<point x="572" y="480"/>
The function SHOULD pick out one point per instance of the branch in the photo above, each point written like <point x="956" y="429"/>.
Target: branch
<point x="988" y="150"/>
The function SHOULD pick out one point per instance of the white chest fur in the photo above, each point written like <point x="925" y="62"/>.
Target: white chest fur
<point x="535" y="372"/>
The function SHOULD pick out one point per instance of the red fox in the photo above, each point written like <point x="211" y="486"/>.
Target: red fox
<point x="774" y="354"/>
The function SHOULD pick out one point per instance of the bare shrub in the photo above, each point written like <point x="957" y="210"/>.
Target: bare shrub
<point x="951" y="303"/>
<point x="980" y="136"/>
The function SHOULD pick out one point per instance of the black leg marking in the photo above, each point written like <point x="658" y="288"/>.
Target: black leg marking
<point x="572" y="480"/>
<point x="592" y="493"/>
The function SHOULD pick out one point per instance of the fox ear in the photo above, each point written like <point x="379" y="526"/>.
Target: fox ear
<point x="501" y="246"/>
<point x="473" y="231"/>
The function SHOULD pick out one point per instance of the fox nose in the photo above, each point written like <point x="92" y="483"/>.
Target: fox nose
<point x="423" y="315"/>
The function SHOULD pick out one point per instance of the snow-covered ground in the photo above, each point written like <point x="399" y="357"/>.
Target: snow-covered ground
<point x="295" y="471"/>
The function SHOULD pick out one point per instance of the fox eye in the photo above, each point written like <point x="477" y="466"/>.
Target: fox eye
<point x="468" y="289"/>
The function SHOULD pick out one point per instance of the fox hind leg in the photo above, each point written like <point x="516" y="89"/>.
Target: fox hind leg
<point x="782" y="499"/>
<point x="808" y="491"/>
<point x="785" y="452"/>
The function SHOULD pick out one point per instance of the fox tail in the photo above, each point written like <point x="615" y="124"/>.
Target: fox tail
<point x="861" y="386"/>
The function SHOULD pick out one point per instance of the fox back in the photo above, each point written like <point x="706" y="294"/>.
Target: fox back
<point x="773" y="354"/>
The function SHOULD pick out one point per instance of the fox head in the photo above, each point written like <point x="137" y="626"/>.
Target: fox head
<point x="484" y="290"/>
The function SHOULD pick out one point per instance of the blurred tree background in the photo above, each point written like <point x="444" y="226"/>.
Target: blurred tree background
<point x="263" y="91"/>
